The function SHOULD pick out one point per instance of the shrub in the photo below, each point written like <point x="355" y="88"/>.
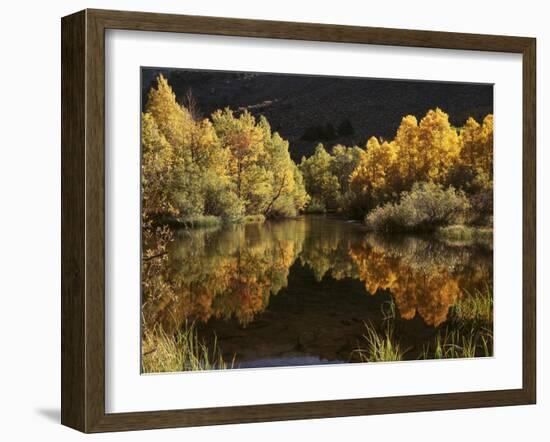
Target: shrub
<point x="316" y="205"/>
<point x="424" y="208"/>
<point x="252" y="219"/>
<point x="220" y="201"/>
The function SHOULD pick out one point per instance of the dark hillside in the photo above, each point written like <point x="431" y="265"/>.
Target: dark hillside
<point x="307" y="110"/>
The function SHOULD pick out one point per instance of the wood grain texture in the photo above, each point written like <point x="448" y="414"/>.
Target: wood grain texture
<point x="95" y="221"/>
<point x="144" y="21"/>
<point x="83" y="220"/>
<point x="529" y="220"/>
<point x="73" y="132"/>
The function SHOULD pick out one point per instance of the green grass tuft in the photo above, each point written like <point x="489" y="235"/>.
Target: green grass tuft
<point x="381" y="347"/>
<point x="476" y="307"/>
<point x="461" y="232"/>
<point x="456" y="343"/>
<point x="183" y="351"/>
<point x="469" y="331"/>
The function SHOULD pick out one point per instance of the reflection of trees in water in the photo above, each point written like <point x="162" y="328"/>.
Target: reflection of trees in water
<point x="424" y="276"/>
<point x="232" y="272"/>
<point x="326" y="250"/>
<point x="225" y="273"/>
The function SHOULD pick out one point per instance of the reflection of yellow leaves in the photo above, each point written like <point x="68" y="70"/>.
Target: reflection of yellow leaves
<point x="232" y="272"/>
<point x="374" y="270"/>
<point x="225" y="274"/>
<point x="418" y="285"/>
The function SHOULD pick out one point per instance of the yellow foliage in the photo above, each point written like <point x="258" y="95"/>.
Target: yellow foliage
<point x="406" y="141"/>
<point x="227" y="166"/>
<point x="438" y="145"/>
<point x="172" y="119"/>
<point x="156" y="168"/>
<point x="373" y="175"/>
<point x="233" y="165"/>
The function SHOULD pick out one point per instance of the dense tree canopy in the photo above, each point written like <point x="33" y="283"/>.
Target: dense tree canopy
<point x="232" y="165"/>
<point x="431" y="151"/>
<point x="227" y="166"/>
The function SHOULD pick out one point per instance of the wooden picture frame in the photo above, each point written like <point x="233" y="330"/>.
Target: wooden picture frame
<point x="83" y="220"/>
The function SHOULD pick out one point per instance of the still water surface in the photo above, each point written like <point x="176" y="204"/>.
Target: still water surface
<point x="298" y="292"/>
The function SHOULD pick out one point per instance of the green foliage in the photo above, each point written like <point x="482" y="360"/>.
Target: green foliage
<point x="326" y="178"/>
<point x="425" y="208"/>
<point x="319" y="178"/>
<point x="286" y="192"/>
<point x="219" y="198"/>
<point x="251" y="219"/>
<point x="228" y="167"/>
<point x="344" y="162"/>
<point x="316" y="205"/>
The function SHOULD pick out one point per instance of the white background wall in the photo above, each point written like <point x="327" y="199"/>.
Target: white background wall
<point x="30" y="216"/>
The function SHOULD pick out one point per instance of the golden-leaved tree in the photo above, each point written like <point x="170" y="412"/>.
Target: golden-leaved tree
<point x="227" y="166"/>
<point x="406" y="141"/>
<point x="373" y="177"/>
<point x="438" y="146"/>
<point x="355" y="180"/>
<point x="157" y="167"/>
<point x="477" y="145"/>
<point x="243" y="139"/>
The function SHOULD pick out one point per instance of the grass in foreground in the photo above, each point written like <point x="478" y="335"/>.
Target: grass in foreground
<point x="454" y="344"/>
<point x="468" y="333"/>
<point x="470" y="330"/>
<point x="381" y="347"/>
<point x="181" y="352"/>
<point x="476" y="307"/>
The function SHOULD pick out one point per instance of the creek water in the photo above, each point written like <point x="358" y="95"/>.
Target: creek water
<point x="300" y="291"/>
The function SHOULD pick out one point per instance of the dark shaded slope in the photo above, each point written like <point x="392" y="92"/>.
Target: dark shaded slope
<point x="311" y="109"/>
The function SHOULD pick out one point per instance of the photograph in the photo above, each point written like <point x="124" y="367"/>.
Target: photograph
<point x="298" y="220"/>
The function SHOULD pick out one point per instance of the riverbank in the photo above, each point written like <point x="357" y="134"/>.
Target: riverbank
<point x="460" y="232"/>
<point x="193" y="222"/>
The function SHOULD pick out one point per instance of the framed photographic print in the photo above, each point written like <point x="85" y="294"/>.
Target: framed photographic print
<point x="268" y="220"/>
